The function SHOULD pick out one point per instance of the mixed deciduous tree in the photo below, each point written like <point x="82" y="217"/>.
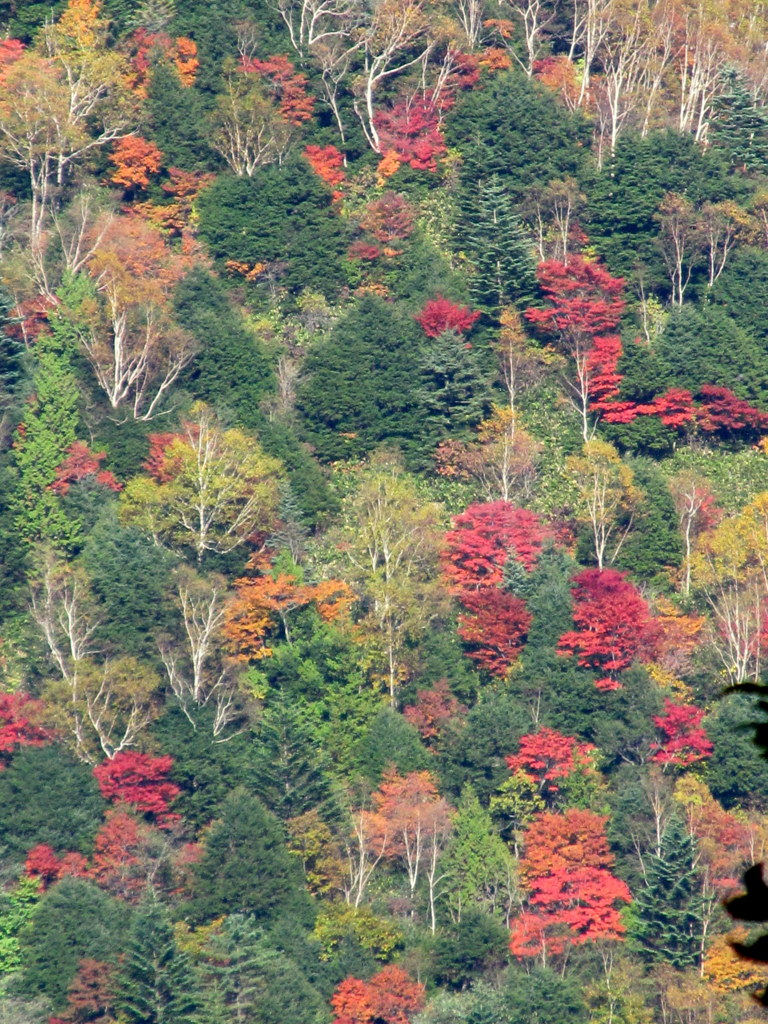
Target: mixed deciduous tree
<point x="221" y="488"/>
<point x="572" y="894"/>
<point x="391" y="996"/>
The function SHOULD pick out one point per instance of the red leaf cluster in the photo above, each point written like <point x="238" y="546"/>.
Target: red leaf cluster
<point x="583" y="298"/>
<point x="547" y="756"/>
<point x="158" y="464"/>
<point x="494" y="627"/>
<point x="440" y="315"/>
<point x="411" y="129"/>
<point x="478" y="545"/>
<point x="722" y="412"/>
<point x="288" y="85"/>
<point x="433" y="709"/>
<point x="327" y="162"/>
<point x="19" y="717"/>
<point x="146" y="46"/>
<point x="685" y="740"/>
<point x="390" y="997"/>
<point x="614" y="625"/>
<point x="141" y="781"/>
<point x="42" y="862"/>
<point x="80" y="462"/>
<point x="572" y="892"/>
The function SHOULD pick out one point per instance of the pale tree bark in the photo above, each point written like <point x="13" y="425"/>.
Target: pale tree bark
<point x="396" y="29"/>
<point x="197" y="672"/>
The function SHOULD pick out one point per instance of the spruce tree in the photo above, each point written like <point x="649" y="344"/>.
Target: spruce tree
<point x="500" y="250"/>
<point x="453" y="385"/>
<point x="48" y="429"/>
<point x="157" y="985"/>
<point x="739" y="125"/>
<point x="667" y="909"/>
<point x="290" y="772"/>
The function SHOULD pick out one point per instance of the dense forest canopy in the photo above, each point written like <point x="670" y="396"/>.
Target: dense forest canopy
<point x="383" y="510"/>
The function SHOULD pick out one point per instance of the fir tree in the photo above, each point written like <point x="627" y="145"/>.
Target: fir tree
<point x="290" y="772"/>
<point x="157" y="985"/>
<point x="667" y="909"/>
<point x="739" y="126"/>
<point x="49" y="427"/>
<point x="515" y="577"/>
<point x="453" y="389"/>
<point x="500" y="250"/>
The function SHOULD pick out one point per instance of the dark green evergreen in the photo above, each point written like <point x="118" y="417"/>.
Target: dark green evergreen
<point x="625" y="196"/>
<point x="156" y="982"/>
<point x="75" y="919"/>
<point x="246" y="867"/>
<point x="454" y="384"/>
<point x="704" y="345"/>
<point x="176" y="121"/>
<point x="282" y="216"/>
<point x="666" y="914"/>
<point x="362" y="384"/>
<point x="504" y="127"/>
<point x="290" y="774"/>
<point x="502" y="254"/>
<point x="739" y="124"/>
<point x="231" y="368"/>
<point x="653" y="545"/>
<point x="390" y="741"/>
<point x="46" y="796"/>
<point x="246" y="978"/>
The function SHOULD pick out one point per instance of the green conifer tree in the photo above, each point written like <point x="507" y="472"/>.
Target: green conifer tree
<point x="157" y="985"/>
<point x="48" y="428"/>
<point x="501" y="251"/>
<point x="666" y="928"/>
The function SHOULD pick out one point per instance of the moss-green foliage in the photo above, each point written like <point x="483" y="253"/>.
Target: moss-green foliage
<point x="704" y="345"/>
<point x="282" y="215"/>
<point x="502" y="127"/>
<point x="246" y="867"/>
<point x="48" y="797"/>
<point x="625" y="196"/>
<point x="231" y="368"/>
<point x="361" y="386"/>
<point x="176" y="121"/>
<point x="74" y="920"/>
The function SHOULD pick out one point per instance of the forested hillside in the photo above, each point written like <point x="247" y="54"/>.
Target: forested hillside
<point x="383" y="509"/>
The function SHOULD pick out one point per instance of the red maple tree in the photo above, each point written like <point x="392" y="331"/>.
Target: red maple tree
<point x="479" y="544"/>
<point x="328" y="163"/>
<point x="80" y="462"/>
<point x="614" y="625"/>
<point x="494" y="627"/>
<point x="685" y="741"/>
<point x="390" y="997"/>
<point x="572" y="894"/>
<point x="411" y="129"/>
<point x="547" y="757"/>
<point x="20" y="716"/>
<point x="288" y="85"/>
<point x="440" y="314"/>
<point x="434" y="708"/>
<point x="141" y="781"/>
<point x="44" y="863"/>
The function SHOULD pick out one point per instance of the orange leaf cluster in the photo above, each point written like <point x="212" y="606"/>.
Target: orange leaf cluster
<point x="264" y="598"/>
<point x="135" y="161"/>
<point x="390" y="997"/>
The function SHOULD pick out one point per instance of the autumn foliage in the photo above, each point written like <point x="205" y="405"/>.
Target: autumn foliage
<point x="572" y="894"/>
<point x="614" y="625"/>
<point x="390" y="997"/>
<point x="79" y="464"/>
<point x="411" y="130"/>
<point x="440" y="314"/>
<point x="493" y="626"/>
<point x="478" y="546"/>
<point x="141" y="781"/>
<point x="135" y="160"/>
<point x="684" y="739"/>
<point x="547" y="757"/>
<point x="20" y="718"/>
